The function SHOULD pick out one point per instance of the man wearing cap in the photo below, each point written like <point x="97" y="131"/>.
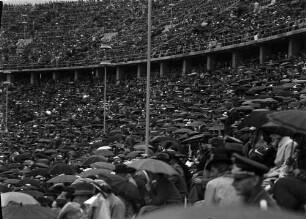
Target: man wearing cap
<point x="248" y="177"/>
<point x="72" y="210"/>
<point x="83" y="192"/>
<point x="220" y="191"/>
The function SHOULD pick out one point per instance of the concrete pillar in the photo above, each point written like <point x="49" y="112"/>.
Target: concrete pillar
<point x="140" y="70"/>
<point x="294" y="47"/>
<point x="210" y="62"/>
<point x="54" y="76"/>
<point x="236" y="58"/>
<point x="76" y="75"/>
<point x="118" y="72"/>
<point x="34" y="77"/>
<point x="9" y="78"/>
<point x="162" y="68"/>
<point x="186" y="66"/>
<point x="99" y="73"/>
<point x="264" y="52"/>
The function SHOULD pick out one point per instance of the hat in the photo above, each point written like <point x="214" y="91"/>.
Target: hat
<point x="69" y="207"/>
<point x="52" y="192"/>
<point x="216" y="142"/>
<point x="245" y="167"/>
<point x="234" y="147"/>
<point x="162" y="156"/>
<point x="69" y="189"/>
<point x="84" y="188"/>
<point x="123" y="168"/>
<point x="219" y="155"/>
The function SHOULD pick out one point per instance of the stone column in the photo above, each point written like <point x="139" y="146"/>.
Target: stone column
<point x="186" y="66"/>
<point x="210" y="60"/>
<point x="236" y="58"/>
<point x="34" y="77"/>
<point x="293" y="47"/>
<point x="76" y="75"/>
<point x="264" y="52"/>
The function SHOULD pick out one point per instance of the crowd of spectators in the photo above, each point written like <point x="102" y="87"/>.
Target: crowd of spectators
<point x="55" y="147"/>
<point x="75" y="33"/>
<point x="62" y="122"/>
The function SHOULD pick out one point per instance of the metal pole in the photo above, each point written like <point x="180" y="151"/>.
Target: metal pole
<point x="104" y="102"/>
<point x="148" y="77"/>
<point x="6" y="110"/>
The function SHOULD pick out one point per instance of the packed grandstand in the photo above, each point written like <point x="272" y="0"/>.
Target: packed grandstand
<point x="74" y="33"/>
<point x="210" y="58"/>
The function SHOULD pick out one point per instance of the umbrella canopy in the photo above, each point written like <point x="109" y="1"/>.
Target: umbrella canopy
<point x="93" y="172"/>
<point x="105" y="153"/>
<point x="154" y="166"/>
<point x="18" y="197"/>
<point x="122" y="186"/>
<point x="62" y="168"/>
<point x="94" y="159"/>
<point x="294" y="120"/>
<point x="194" y="138"/>
<point x="197" y="123"/>
<point x="256" y="119"/>
<point x="220" y="213"/>
<point x="28" y="212"/>
<point x="133" y="154"/>
<point x="103" y="165"/>
<point x="182" y="131"/>
<point x="142" y="147"/>
<point x="63" y="178"/>
<point x="272" y="127"/>
<point x="4" y="188"/>
<point x="32" y="182"/>
<point x="33" y="193"/>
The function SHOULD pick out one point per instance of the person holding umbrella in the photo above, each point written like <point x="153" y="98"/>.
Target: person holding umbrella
<point x="290" y="191"/>
<point x="162" y="193"/>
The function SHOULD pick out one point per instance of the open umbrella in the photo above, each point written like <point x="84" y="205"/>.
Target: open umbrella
<point x="103" y="165"/>
<point x="93" y="172"/>
<point x="220" y="213"/>
<point x="256" y="119"/>
<point x="122" y="186"/>
<point x="196" y="123"/>
<point x="133" y="154"/>
<point x="28" y="212"/>
<point x="32" y="182"/>
<point x="294" y="120"/>
<point x="93" y="159"/>
<point x="154" y="166"/>
<point x="272" y="127"/>
<point x="182" y="131"/>
<point x="62" y="168"/>
<point x="141" y="147"/>
<point x="194" y="138"/>
<point x="4" y="188"/>
<point x="18" y="197"/>
<point x="34" y="193"/>
<point x="105" y="153"/>
<point x="63" y="178"/>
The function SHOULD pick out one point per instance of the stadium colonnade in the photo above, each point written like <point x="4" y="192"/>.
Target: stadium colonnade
<point x="290" y="42"/>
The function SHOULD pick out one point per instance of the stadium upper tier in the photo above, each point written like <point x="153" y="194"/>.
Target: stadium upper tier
<point x="62" y="34"/>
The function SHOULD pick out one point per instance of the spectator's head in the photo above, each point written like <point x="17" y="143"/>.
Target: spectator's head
<point x="248" y="175"/>
<point x="71" y="210"/>
<point x="83" y="191"/>
<point x="219" y="162"/>
<point x="228" y="105"/>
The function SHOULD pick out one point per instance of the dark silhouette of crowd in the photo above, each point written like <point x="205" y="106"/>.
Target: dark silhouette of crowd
<point x="216" y="136"/>
<point x="75" y="33"/>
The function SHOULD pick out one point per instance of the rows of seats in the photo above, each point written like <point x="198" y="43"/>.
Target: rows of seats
<point x="73" y="33"/>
